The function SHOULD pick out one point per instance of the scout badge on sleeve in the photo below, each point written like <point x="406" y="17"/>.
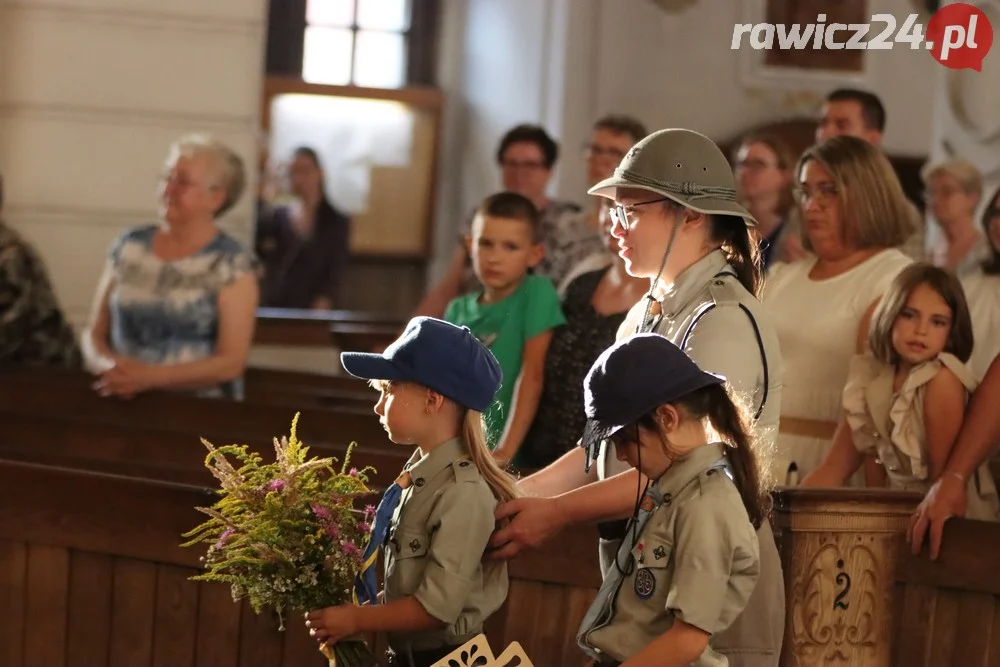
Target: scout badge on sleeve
<point x="645" y="583"/>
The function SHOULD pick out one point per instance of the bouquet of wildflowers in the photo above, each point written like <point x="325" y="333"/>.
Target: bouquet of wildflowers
<point x="285" y="535"/>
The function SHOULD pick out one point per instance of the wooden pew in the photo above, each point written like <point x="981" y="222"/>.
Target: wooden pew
<point x="347" y="329"/>
<point x="54" y="417"/>
<point x="948" y="611"/>
<point x="99" y="561"/>
<point x="91" y="574"/>
<point x="52" y="392"/>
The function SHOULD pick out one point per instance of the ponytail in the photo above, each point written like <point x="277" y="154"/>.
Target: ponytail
<point x="502" y="484"/>
<point x="741" y="249"/>
<point x="732" y="422"/>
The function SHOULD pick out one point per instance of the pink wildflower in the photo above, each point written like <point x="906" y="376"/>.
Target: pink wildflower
<point x="321" y="512"/>
<point x="277" y="485"/>
<point x="369" y="512"/>
<point x="351" y="549"/>
<point x="226" y="534"/>
<point x="333" y="530"/>
<point x="353" y="472"/>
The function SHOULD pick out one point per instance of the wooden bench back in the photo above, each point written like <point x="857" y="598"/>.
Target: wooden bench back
<point x="91" y="573"/>
<point x="948" y="611"/>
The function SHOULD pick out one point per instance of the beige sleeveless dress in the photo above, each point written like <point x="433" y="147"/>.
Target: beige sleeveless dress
<point x="892" y="425"/>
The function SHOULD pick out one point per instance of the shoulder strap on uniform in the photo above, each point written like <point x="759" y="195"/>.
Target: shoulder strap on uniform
<point x="756" y="331"/>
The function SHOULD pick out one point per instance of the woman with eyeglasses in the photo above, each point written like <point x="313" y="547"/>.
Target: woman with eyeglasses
<point x="764" y="185"/>
<point x="176" y="306"/>
<point x="952" y="191"/>
<point x="982" y="291"/>
<point x="679" y="226"/>
<point x="854" y="213"/>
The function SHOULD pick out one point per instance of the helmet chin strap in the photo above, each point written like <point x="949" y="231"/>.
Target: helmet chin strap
<point x="652" y="283"/>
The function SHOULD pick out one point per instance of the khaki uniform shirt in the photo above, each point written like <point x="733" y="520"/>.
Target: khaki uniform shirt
<point x="435" y="547"/>
<point x="724" y="340"/>
<point x="695" y="559"/>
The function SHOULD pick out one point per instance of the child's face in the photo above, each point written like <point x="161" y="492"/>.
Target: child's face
<point x="502" y="251"/>
<point x="400" y="409"/>
<point x="921" y="330"/>
<point x="649" y="455"/>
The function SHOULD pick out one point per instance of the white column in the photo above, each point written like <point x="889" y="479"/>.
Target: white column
<point x="91" y="95"/>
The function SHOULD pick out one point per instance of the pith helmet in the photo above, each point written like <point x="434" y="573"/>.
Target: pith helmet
<point x="685" y="166"/>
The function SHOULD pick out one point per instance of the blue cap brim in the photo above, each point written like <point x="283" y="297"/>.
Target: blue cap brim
<point x="594" y="433"/>
<point x="369" y="366"/>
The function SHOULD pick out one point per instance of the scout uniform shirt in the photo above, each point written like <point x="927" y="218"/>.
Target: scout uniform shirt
<point x="725" y="330"/>
<point x="695" y="558"/>
<point x="435" y="545"/>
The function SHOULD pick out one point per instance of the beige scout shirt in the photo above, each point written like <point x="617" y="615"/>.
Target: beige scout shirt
<point x="724" y="340"/>
<point x="695" y="559"/>
<point x="435" y="548"/>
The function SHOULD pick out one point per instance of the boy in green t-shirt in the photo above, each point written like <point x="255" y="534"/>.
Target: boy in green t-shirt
<point x="513" y="315"/>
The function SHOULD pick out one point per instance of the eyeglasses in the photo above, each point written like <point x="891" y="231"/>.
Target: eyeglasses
<point x="515" y="164"/>
<point x="824" y="194"/>
<point x="755" y="165"/>
<point x="941" y="193"/>
<point x="620" y="212"/>
<point x="593" y="150"/>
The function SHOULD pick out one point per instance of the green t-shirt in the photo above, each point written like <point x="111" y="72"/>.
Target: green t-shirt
<point x="505" y="327"/>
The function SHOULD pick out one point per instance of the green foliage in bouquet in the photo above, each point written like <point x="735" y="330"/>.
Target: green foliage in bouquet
<point x="284" y="535"/>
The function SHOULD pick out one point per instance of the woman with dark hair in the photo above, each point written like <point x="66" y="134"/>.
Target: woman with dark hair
<point x="305" y="246"/>
<point x="982" y="291"/>
<point x="678" y="224"/>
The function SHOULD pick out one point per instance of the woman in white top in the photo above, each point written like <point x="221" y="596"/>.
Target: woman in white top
<point x="953" y="191"/>
<point x="853" y="213"/>
<point x="982" y="291"/>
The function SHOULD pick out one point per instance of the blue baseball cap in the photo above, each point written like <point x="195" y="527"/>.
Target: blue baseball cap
<point x="438" y="355"/>
<point x="632" y="378"/>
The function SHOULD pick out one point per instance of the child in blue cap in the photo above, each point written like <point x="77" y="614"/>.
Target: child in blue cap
<point x="690" y="557"/>
<point x="434" y="523"/>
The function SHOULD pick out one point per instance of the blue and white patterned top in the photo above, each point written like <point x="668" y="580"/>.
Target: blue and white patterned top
<point x="167" y="312"/>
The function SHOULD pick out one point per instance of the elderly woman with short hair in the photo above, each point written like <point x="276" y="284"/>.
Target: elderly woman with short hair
<point x="953" y="191"/>
<point x="175" y="307"/>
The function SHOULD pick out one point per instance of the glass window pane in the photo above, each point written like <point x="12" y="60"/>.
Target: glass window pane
<point x="380" y="60"/>
<point x="384" y="15"/>
<point x="330" y="12"/>
<point x="326" y="56"/>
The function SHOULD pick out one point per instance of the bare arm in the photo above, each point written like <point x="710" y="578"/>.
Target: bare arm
<point x="840" y="462"/>
<point x="944" y="409"/>
<point x="875" y="475"/>
<point x="527" y="394"/>
<point x="611" y="498"/>
<point x="679" y="646"/>
<point x="438" y="297"/>
<point x="978" y="439"/>
<point x="95" y="347"/>
<point x="564" y="474"/>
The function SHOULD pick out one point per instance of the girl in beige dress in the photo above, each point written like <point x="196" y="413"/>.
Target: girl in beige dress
<point x="905" y="401"/>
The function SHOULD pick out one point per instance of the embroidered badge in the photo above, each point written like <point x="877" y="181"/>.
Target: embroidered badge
<point x="647" y="504"/>
<point x="645" y="584"/>
<point x="659" y="553"/>
<point x="414" y="545"/>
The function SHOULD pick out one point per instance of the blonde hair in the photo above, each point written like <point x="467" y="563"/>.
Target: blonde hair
<point x="502" y="484"/>
<point x="228" y="165"/>
<point x="874" y="211"/>
<point x="963" y="171"/>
